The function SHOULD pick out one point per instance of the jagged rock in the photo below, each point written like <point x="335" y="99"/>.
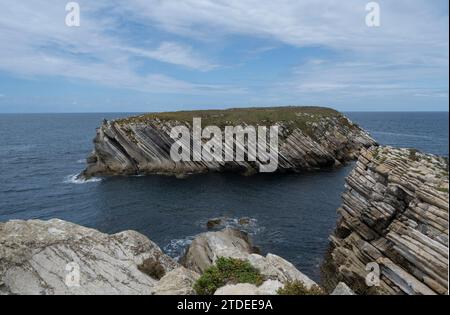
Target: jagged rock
<point x="38" y="257"/>
<point x="179" y="281"/>
<point x="394" y="214"/>
<point x="208" y="247"/>
<point x="312" y="138"/>
<point x="342" y="289"/>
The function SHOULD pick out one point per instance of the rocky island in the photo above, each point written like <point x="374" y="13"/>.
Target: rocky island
<point x="310" y="138"/>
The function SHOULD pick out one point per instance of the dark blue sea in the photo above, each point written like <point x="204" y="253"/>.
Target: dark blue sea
<point x="293" y="214"/>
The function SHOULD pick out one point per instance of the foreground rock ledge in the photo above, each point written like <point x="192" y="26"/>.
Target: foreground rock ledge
<point x="311" y="138"/>
<point x="34" y="256"/>
<point x="394" y="214"/>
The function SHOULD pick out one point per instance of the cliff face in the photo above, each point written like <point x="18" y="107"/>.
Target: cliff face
<point x="394" y="214"/>
<point x="310" y="138"/>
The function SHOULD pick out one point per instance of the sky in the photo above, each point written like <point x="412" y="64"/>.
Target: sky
<point x="165" y="55"/>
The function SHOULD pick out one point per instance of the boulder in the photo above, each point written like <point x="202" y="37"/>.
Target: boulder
<point x="179" y="281"/>
<point x="208" y="247"/>
<point x="60" y="258"/>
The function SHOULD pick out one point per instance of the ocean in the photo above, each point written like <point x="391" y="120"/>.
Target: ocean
<point x="291" y="215"/>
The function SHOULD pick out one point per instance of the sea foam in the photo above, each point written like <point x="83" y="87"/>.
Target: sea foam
<point x="75" y="179"/>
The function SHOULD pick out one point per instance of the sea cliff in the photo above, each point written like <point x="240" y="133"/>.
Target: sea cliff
<point x="394" y="217"/>
<point x="310" y="138"/>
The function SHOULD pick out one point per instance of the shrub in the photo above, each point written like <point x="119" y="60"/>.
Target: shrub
<point x="227" y="271"/>
<point x="153" y="268"/>
<point x="299" y="288"/>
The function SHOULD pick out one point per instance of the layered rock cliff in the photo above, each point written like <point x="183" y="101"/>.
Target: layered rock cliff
<point x="311" y="138"/>
<point x="395" y="218"/>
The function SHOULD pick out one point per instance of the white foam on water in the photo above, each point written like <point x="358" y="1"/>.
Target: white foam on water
<point x="75" y="179"/>
<point x="82" y="161"/>
<point x="177" y="248"/>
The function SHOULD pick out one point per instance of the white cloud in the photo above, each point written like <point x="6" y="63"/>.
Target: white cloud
<point x="407" y="51"/>
<point x="36" y="42"/>
<point x="175" y="54"/>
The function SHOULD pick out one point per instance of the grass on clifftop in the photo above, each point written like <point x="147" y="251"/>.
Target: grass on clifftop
<point x="296" y="116"/>
<point x="227" y="271"/>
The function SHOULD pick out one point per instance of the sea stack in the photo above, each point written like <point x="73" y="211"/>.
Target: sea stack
<point x="310" y="138"/>
<point x="395" y="221"/>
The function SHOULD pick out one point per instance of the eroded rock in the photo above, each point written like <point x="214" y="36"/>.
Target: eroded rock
<point x="60" y="258"/>
<point x="394" y="216"/>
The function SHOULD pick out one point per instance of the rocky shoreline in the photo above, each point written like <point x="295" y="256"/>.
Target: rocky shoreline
<point x="392" y="238"/>
<point x="311" y="138"/>
<point x="60" y="258"/>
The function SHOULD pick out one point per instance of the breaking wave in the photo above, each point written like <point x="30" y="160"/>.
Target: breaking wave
<point x="75" y="179"/>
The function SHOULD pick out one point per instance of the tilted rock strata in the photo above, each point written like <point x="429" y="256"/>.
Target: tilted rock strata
<point x="141" y="145"/>
<point x="394" y="213"/>
<point x="36" y="258"/>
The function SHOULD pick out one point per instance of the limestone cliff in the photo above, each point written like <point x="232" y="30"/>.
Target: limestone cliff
<point x="394" y="214"/>
<point x="311" y="138"/>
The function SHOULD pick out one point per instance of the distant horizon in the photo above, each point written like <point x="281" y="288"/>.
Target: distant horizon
<point x="144" y="112"/>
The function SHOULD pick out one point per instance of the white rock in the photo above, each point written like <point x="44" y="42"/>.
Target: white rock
<point x="238" y="289"/>
<point x="342" y="289"/>
<point x="59" y="258"/>
<point x="177" y="282"/>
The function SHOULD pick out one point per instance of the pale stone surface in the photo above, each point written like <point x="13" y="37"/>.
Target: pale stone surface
<point x="269" y="287"/>
<point x="342" y="289"/>
<point x="34" y="256"/>
<point x="177" y="282"/>
<point x="208" y="247"/>
<point x="244" y="289"/>
<point x="395" y="214"/>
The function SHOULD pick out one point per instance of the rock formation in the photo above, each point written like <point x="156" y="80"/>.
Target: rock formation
<point x="311" y="138"/>
<point x="395" y="218"/>
<point x="60" y="258"/>
<point x="208" y="247"/>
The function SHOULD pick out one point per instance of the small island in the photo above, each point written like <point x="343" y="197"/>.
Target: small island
<point x="310" y="138"/>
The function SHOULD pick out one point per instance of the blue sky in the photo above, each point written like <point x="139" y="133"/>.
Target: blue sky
<point x="161" y="55"/>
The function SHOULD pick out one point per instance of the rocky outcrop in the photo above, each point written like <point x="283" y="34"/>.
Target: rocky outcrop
<point x="60" y="258"/>
<point x="395" y="219"/>
<point x="311" y="138"/>
<point x="179" y="281"/>
<point x="208" y="247"/>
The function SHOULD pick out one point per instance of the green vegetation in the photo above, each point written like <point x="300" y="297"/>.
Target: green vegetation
<point x="299" y="288"/>
<point x="152" y="268"/>
<point x="227" y="271"/>
<point x="413" y="154"/>
<point x="444" y="190"/>
<point x="293" y="117"/>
